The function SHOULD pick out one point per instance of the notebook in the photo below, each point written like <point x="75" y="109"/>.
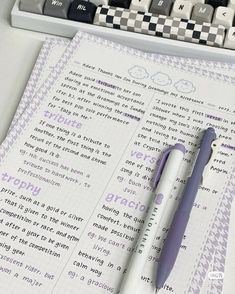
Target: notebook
<point x="53" y="48"/>
<point x="77" y="164"/>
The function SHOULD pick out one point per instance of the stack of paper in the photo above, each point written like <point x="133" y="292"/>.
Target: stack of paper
<point x="78" y="160"/>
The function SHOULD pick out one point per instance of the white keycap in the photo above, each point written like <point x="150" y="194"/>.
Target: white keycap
<point x="197" y="1"/>
<point x="182" y="9"/>
<point x="140" y="5"/>
<point x="229" y="41"/>
<point x="231" y="4"/>
<point x="100" y="2"/>
<point x="223" y="16"/>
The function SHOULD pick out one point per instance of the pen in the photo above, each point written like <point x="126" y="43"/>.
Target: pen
<point x="176" y="232"/>
<point x="163" y="182"/>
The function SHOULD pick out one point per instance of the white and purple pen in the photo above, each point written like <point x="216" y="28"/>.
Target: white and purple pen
<point x="179" y="223"/>
<point x="163" y="183"/>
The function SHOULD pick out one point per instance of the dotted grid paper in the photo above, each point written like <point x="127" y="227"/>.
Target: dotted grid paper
<point x="200" y="271"/>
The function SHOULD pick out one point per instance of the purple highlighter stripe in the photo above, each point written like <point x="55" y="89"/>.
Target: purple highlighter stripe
<point x="227" y="146"/>
<point x="213" y="117"/>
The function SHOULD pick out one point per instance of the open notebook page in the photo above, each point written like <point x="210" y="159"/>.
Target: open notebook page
<point x="74" y="197"/>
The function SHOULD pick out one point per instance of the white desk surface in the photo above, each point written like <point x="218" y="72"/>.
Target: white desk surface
<point x="18" y="52"/>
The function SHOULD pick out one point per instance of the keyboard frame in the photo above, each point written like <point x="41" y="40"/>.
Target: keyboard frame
<point x="147" y="43"/>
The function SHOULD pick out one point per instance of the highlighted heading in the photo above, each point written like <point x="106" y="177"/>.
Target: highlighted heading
<point x="19" y="184"/>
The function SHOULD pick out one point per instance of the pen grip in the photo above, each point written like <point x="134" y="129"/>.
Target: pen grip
<point x="173" y="241"/>
<point x="189" y="195"/>
<point x="179" y="223"/>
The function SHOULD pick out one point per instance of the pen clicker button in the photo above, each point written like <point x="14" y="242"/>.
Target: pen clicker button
<point x="158" y="199"/>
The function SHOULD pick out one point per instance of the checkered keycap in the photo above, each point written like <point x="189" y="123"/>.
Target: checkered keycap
<point x="159" y="25"/>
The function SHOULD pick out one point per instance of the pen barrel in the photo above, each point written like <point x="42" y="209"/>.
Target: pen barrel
<point x="176" y="231"/>
<point x="189" y="195"/>
<point x="158" y="203"/>
<point x="146" y="238"/>
<point x="171" y="247"/>
<point x="180" y="220"/>
<point x="203" y="157"/>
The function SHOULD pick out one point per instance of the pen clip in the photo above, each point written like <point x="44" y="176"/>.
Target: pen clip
<point x="215" y="146"/>
<point x="161" y="163"/>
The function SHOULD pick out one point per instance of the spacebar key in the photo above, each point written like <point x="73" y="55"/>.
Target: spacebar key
<point x="159" y="25"/>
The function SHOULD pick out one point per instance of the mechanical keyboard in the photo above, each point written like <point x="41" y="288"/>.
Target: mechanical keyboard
<point x="189" y="28"/>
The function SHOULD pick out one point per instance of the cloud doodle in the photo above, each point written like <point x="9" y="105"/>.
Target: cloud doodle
<point x="138" y="72"/>
<point x="184" y="86"/>
<point x="161" y="79"/>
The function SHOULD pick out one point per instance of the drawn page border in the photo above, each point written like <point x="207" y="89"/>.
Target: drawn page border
<point x="172" y="61"/>
<point x="163" y="59"/>
<point x="35" y="76"/>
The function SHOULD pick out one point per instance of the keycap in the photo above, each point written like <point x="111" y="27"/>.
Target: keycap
<point x="34" y="6"/>
<point x="216" y="3"/>
<point x="231" y="4"/>
<point x="161" y="7"/>
<point x="57" y="8"/>
<point x="202" y="13"/>
<point x="229" y="41"/>
<point x="223" y="16"/>
<point x="120" y="3"/>
<point x="83" y="11"/>
<point x="182" y="9"/>
<point x="149" y="41"/>
<point x="194" y="2"/>
<point x="140" y="5"/>
<point x="159" y="25"/>
<point x="100" y="2"/>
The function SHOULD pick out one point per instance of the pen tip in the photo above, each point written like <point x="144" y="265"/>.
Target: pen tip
<point x="156" y="291"/>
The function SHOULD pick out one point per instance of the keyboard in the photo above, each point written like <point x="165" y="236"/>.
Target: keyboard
<point x="188" y="28"/>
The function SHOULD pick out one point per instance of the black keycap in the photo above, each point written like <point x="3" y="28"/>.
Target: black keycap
<point x="82" y="11"/>
<point x="216" y="3"/>
<point x="120" y="3"/>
